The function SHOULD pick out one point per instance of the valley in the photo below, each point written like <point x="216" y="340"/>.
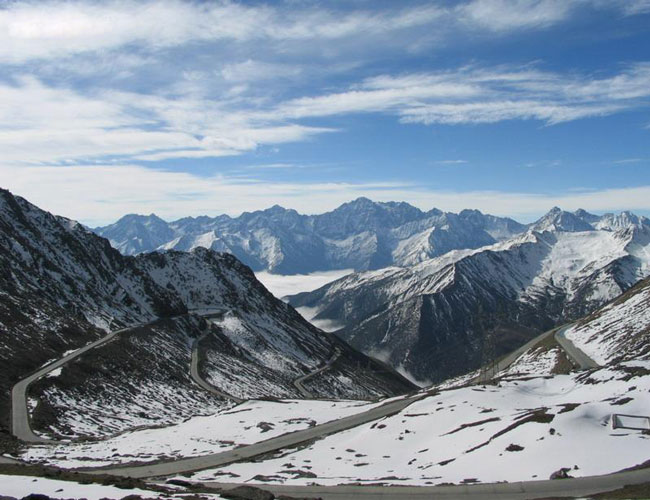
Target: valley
<point x="324" y="250"/>
<point x="227" y="385"/>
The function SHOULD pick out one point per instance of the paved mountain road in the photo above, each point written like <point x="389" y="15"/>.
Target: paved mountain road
<point x="194" y="366"/>
<point x="270" y="445"/>
<point x="20" y="426"/>
<point x="298" y="382"/>
<point x="572" y="352"/>
<point x="578" y="356"/>
<point x="194" y="373"/>
<point x="509" y="359"/>
<point x="520" y="490"/>
<point x="577" y="487"/>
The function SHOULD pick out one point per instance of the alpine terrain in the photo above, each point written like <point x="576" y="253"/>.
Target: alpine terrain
<point x="537" y="419"/>
<point x="61" y="286"/>
<point x="361" y="234"/>
<point x="452" y="313"/>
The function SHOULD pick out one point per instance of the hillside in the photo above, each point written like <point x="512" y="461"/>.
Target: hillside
<point x="62" y="286"/>
<point x="458" y="311"/>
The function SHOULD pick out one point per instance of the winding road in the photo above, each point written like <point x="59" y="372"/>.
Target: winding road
<point x="578" y="357"/>
<point x="519" y="490"/>
<point x="298" y="382"/>
<point x="20" y="426"/>
<point x="506" y="361"/>
<point x="194" y="367"/>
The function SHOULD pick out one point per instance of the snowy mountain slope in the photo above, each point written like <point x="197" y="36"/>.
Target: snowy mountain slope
<point x="139" y="233"/>
<point x="360" y="234"/>
<point x="534" y="419"/>
<point x="619" y="331"/>
<point x="73" y="268"/>
<point x="520" y="429"/>
<point x="558" y="220"/>
<point x="456" y="311"/>
<point x="61" y="285"/>
<point x="139" y="379"/>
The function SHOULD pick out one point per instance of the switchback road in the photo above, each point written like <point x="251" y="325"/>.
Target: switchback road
<point x="20" y="426"/>
<point x="298" y="382"/>
<point x="196" y="376"/>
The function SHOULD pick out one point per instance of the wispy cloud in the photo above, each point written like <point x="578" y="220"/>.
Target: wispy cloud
<point x="633" y="7"/>
<point x="58" y="28"/>
<point x="627" y="161"/>
<point x="450" y="162"/>
<point x="46" y="123"/>
<point x="478" y="95"/>
<point x="506" y="15"/>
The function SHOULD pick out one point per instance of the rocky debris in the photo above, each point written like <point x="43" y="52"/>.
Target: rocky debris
<point x="562" y="473"/>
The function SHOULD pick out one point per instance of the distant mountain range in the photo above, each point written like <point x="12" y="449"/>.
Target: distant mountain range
<point x="361" y="234"/>
<point x="62" y="286"/>
<point x="451" y="313"/>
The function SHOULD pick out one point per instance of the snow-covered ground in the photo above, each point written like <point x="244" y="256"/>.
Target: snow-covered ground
<point x="247" y="423"/>
<point x="21" y="486"/>
<point x="282" y="285"/>
<point x="519" y="430"/>
<point x="619" y="330"/>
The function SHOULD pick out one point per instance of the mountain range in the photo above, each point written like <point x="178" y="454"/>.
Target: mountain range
<point x="451" y="313"/>
<point x="361" y="234"/>
<point x="62" y="286"/>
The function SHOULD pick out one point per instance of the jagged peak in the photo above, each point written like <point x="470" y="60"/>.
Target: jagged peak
<point x="557" y="219"/>
<point x="152" y="217"/>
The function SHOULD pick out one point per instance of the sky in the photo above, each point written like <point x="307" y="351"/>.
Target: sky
<point x="187" y="108"/>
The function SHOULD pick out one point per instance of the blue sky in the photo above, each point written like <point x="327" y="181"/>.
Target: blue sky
<point x="189" y="108"/>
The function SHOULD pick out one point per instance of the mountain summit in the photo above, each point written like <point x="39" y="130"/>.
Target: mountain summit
<point x="361" y="234"/>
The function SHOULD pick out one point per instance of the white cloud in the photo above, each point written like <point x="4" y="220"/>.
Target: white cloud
<point x="57" y="28"/>
<point x="626" y="161"/>
<point x="100" y="194"/>
<point x="41" y="123"/>
<point x="506" y="15"/>
<point x="251" y="70"/>
<point x="450" y="162"/>
<point x="633" y="7"/>
<point x="47" y="124"/>
<point x="476" y="95"/>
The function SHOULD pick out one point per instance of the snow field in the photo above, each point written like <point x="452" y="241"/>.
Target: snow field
<point x="247" y="423"/>
<point x="519" y="430"/>
<point x="20" y="486"/>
